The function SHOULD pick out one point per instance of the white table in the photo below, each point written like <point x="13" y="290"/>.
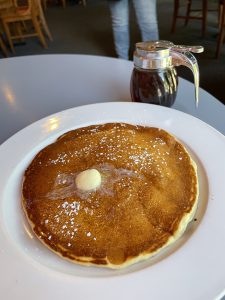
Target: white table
<point x="35" y="86"/>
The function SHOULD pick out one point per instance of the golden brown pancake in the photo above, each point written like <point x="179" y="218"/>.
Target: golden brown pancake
<point x="147" y="196"/>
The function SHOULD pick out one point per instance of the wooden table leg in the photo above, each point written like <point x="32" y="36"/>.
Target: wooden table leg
<point x="3" y="47"/>
<point x="175" y="14"/>
<point x="204" y="16"/>
<point x="188" y="12"/>
<point x="221" y="33"/>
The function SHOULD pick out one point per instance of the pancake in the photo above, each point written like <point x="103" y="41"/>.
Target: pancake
<point x="146" y="196"/>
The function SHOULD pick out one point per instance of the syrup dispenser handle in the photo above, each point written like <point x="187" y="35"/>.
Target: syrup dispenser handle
<point x="181" y="55"/>
<point x="183" y="48"/>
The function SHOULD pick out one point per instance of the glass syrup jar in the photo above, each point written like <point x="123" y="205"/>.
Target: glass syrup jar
<point x="154" y="78"/>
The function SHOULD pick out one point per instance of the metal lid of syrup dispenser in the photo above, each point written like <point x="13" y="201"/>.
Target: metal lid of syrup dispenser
<point x="148" y="57"/>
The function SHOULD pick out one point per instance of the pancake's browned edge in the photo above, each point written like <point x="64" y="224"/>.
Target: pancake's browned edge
<point x="142" y="228"/>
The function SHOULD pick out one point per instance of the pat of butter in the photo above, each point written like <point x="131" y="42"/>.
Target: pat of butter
<point x="88" y="180"/>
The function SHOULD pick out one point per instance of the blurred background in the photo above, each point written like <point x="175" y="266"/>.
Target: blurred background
<point x="84" y="27"/>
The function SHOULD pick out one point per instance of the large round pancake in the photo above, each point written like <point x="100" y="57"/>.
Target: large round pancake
<point x="148" y="194"/>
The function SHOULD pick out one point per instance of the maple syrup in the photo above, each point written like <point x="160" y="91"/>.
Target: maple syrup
<point x="154" y="86"/>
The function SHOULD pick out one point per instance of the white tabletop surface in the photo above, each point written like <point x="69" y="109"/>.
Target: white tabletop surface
<point x="36" y="86"/>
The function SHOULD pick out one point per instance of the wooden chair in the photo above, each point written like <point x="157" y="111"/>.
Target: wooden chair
<point x="221" y="29"/>
<point x="41" y="18"/>
<point x="21" y="14"/>
<point x="188" y="16"/>
<point x="5" y="4"/>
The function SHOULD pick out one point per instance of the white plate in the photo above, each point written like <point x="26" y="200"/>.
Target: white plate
<point x="194" y="268"/>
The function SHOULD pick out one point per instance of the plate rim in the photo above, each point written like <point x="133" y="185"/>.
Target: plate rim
<point x="109" y="104"/>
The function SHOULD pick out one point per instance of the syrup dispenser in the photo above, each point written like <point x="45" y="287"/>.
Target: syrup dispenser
<point x="154" y="78"/>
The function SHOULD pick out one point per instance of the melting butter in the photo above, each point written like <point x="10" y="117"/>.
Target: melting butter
<point x="88" y="180"/>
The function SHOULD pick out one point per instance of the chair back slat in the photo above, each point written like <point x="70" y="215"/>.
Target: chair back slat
<point x="4" y="4"/>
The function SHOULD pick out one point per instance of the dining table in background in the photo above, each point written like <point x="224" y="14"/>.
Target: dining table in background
<point x="34" y="87"/>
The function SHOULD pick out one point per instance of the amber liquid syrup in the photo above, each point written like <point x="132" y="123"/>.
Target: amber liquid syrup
<point x="154" y="86"/>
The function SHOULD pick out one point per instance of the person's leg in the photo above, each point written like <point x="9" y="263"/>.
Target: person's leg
<point x="147" y="19"/>
<point x="120" y="25"/>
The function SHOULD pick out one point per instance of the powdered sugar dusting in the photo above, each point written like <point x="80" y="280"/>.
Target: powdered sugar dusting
<point x="120" y="160"/>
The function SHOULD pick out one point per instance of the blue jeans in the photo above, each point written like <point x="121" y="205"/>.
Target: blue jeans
<point x="146" y="15"/>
